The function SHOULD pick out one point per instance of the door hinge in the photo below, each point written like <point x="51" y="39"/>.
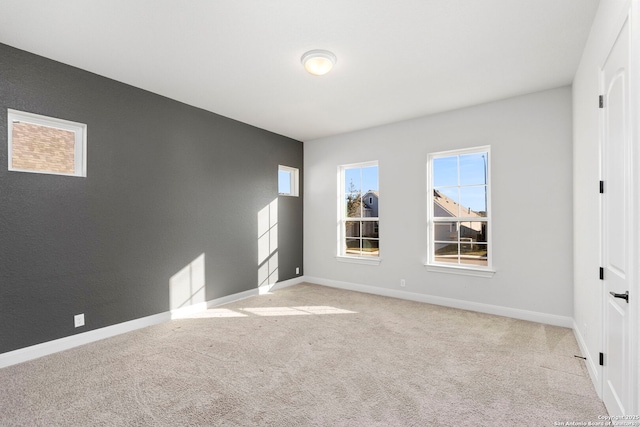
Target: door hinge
<point x="601" y="359"/>
<point x="601" y="101"/>
<point x="601" y="273"/>
<point x="601" y="187"/>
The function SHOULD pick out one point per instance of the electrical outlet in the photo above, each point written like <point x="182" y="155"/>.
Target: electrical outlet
<point x="297" y="270"/>
<point x="402" y="283"/>
<point x="78" y="320"/>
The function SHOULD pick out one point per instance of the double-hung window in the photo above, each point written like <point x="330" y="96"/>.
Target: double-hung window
<point x="358" y="216"/>
<point x="459" y="210"/>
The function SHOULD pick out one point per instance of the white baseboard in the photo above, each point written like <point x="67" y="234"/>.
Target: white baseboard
<point x="287" y="283"/>
<point x="232" y="298"/>
<point x="533" y="316"/>
<point x="592" y="368"/>
<point x="39" y="350"/>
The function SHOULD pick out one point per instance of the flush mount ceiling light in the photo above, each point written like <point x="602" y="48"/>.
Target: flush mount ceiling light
<point x="318" y="61"/>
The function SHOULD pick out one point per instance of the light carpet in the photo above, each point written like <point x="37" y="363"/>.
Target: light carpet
<point x="310" y="355"/>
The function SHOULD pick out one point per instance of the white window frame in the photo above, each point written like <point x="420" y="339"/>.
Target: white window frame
<point x="80" y="145"/>
<point x="341" y="250"/>
<point x="471" y="270"/>
<point x="294" y="180"/>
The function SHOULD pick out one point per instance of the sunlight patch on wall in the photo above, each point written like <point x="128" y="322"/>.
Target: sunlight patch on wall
<point x="187" y="289"/>
<point x="268" y="247"/>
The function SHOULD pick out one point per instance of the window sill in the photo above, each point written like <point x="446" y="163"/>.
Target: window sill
<point x="465" y="271"/>
<point x="359" y="260"/>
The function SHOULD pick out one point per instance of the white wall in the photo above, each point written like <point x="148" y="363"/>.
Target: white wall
<point x="530" y="138"/>
<point x="588" y="292"/>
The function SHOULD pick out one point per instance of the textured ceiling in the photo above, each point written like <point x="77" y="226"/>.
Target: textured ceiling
<point x="241" y="59"/>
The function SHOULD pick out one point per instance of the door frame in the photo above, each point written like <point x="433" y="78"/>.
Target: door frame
<point x="634" y="112"/>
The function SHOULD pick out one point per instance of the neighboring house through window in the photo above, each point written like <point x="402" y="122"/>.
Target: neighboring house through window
<point x="459" y="210"/>
<point x="358" y="218"/>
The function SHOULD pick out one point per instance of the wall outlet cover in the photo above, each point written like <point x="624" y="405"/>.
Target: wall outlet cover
<point x="78" y="320"/>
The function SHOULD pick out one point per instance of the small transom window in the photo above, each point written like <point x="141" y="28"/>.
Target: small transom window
<point x="288" y="181"/>
<point x="41" y="144"/>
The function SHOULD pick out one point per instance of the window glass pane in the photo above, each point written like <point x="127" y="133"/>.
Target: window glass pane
<point x="352" y="229"/>
<point x="353" y="205"/>
<point x="352" y="181"/>
<point x="473" y="231"/>
<point x="473" y="201"/>
<point x="473" y="169"/>
<point x="445" y="171"/>
<point x="446" y="252"/>
<point x="284" y="182"/>
<point x="473" y="254"/>
<point x="352" y="246"/>
<point x="370" y="229"/>
<point x="370" y="247"/>
<point x="42" y="148"/>
<point x="445" y="232"/>
<point x="369" y="179"/>
<point x="445" y="202"/>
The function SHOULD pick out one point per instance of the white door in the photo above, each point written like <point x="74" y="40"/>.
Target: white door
<point x="616" y="199"/>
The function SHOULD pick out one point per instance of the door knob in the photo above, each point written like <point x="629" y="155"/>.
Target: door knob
<point x="624" y="296"/>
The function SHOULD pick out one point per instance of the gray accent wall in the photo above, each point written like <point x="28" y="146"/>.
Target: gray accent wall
<point x="166" y="182"/>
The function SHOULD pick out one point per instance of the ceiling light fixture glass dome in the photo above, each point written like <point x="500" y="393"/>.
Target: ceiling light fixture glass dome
<point x="318" y="62"/>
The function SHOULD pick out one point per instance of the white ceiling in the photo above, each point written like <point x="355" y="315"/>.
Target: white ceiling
<point x="241" y="58"/>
